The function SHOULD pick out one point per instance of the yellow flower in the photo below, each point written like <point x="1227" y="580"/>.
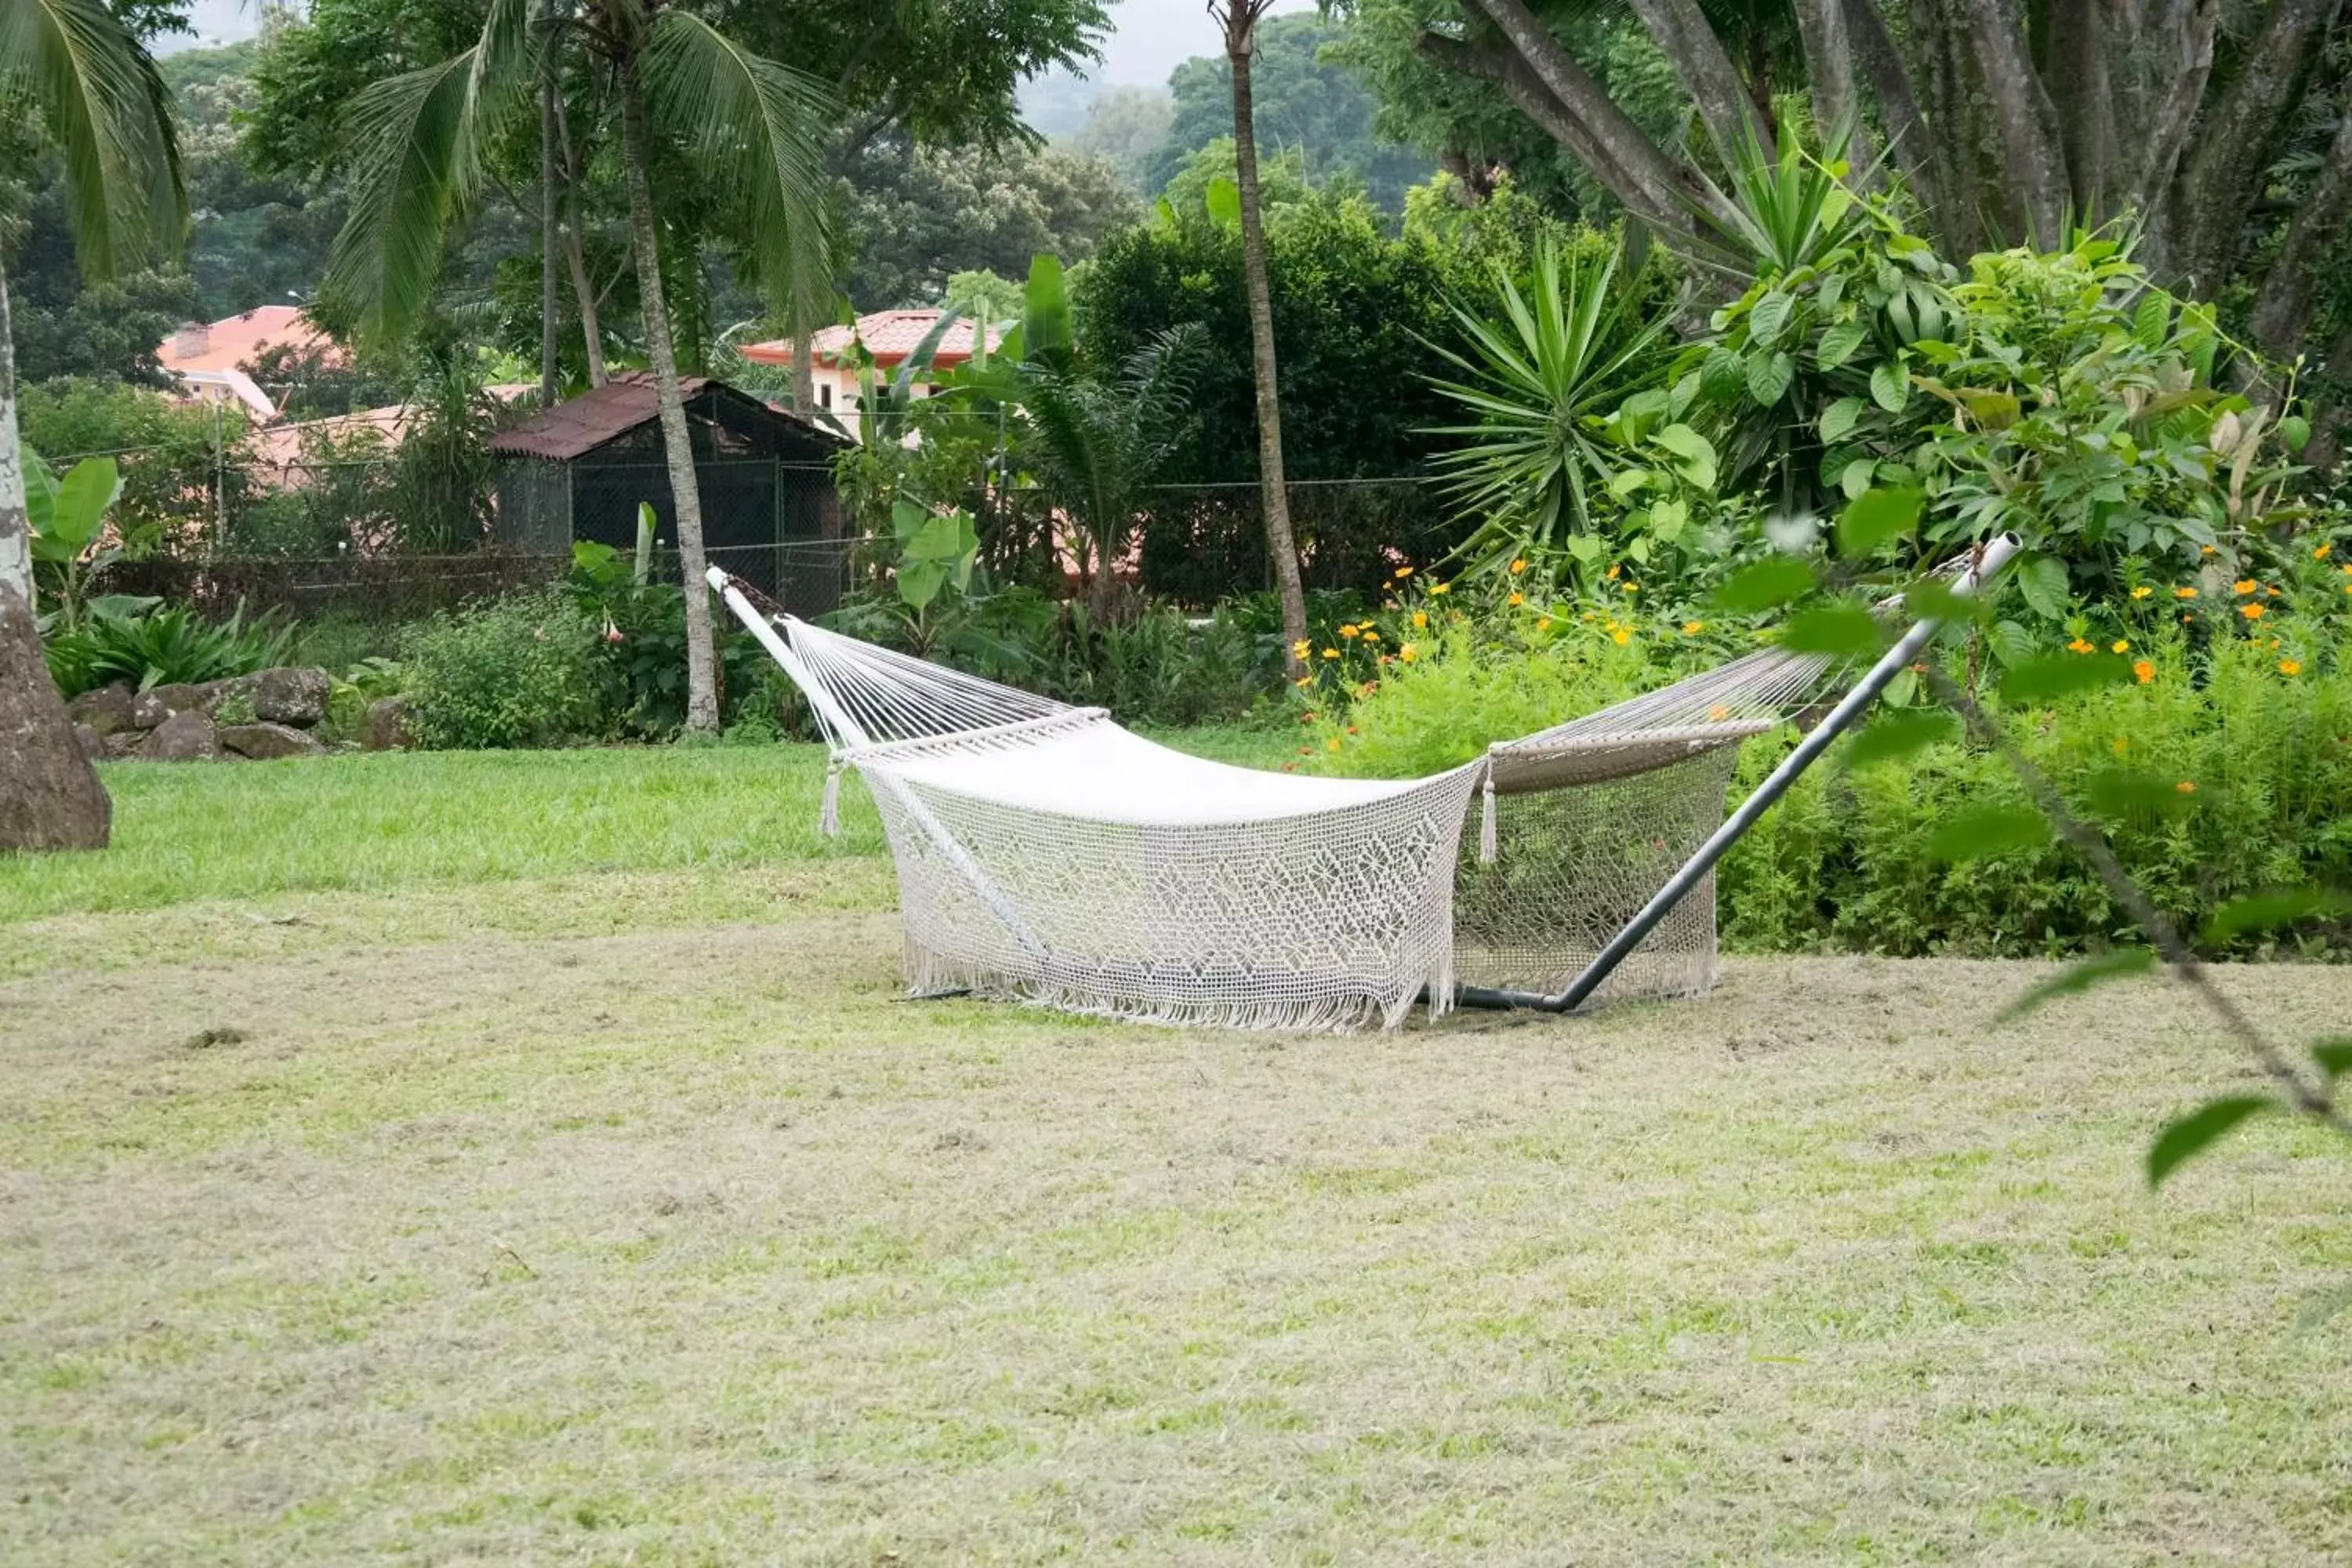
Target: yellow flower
<point x="1621" y="636"/>
<point x="2079" y="645"/>
<point x="1304" y="680"/>
<point x="1408" y="653"/>
<point x="1332" y="745"/>
<point x="1441" y="587"/>
<point x="1518" y="565"/>
<point x="1692" y="628"/>
<point x="2145" y="670"/>
<point x="1419" y="619"/>
<point x="1300" y="648"/>
<point x="2347" y="569"/>
<point x="2184" y="593"/>
<point x="2209" y="550"/>
<point x="1402" y="572"/>
<point x="2185" y="787"/>
<point x="2246" y="585"/>
<point x="2119" y="646"/>
<point x="1543" y="623"/>
<point x="1631" y="587"/>
<point x="2119" y="745"/>
<point x="2273" y="593"/>
<point x="2142" y="591"/>
<point x="1614" y="568"/>
<point x="1517" y="599"/>
<point x="1370" y="636"/>
<point x="1330" y="653"/>
<point x="2320" y="553"/>
<point x="2252" y="612"/>
<point x="2290" y="666"/>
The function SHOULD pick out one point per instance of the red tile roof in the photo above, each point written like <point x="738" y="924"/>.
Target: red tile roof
<point x="232" y="341"/>
<point x="889" y="336"/>
<point x="584" y="422"/>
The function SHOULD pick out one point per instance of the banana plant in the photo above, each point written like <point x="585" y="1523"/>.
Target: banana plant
<point x="68" y="520"/>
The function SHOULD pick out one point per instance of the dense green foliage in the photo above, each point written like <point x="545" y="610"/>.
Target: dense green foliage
<point x="159" y="646"/>
<point x="506" y="672"/>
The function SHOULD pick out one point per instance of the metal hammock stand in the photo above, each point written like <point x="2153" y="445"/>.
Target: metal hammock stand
<point x="1045" y="854"/>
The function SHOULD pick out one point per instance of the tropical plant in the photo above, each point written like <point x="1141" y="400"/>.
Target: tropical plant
<point x="72" y="69"/>
<point x="1539" y="382"/>
<point x="418" y="143"/>
<point x="68" y="519"/>
<point x="131" y="641"/>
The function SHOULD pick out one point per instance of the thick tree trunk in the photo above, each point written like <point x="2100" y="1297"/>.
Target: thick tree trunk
<point x="49" y="794"/>
<point x="677" y="442"/>
<point x="2282" y="309"/>
<point x="550" y="280"/>
<point x="1703" y="67"/>
<point x="591" y="332"/>
<point x="1281" y="544"/>
<point x="1827" y="37"/>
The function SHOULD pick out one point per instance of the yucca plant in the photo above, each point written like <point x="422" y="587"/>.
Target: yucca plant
<point x="163" y="647"/>
<point x="1539" y="381"/>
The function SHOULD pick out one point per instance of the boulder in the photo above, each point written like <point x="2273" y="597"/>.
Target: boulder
<point x="92" y="743"/>
<point x="157" y="703"/>
<point x="264" y="742"/>
<point x="125" y="742"/>
<point x="49" y="794"/>
<point x="385" y="728"/>
<point x="183" y="738"/>
<point x="104" y="710"/>
<point x="296" y="697"/>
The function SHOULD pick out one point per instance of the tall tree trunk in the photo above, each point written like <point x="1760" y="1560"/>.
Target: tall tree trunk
<point x="701" y="687"/>
<point x="49" y="794"/>
<point x="803" y="370"/>
<point x="1828" y="40"/>
<point x="1241" y="40"/>
<point x="550" y="283"/>
<point x="2282" y="311"/>
<point x="591" y="332"/>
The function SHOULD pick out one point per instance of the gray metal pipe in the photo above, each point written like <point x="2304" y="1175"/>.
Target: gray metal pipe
<point x="1996" y="555"/>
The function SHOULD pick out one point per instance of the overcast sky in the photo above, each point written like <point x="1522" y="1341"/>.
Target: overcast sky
<point x="1152" y="35"/>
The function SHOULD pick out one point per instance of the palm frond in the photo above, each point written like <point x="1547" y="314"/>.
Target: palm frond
<point x="100" y="97"/>
<point x="760" y="128"/>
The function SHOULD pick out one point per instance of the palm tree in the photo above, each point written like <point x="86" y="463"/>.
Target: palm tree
<point x="754" y="127"/>
<point x="1240" y="18"/>
<point x="80" y="74"/>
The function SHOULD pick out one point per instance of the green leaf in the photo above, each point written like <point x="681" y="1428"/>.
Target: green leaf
<point x="1892" y="736"/>
<point x="2150" y="322"/>
<point x="1668" y="520"/>
<point x="1625" y="481"/>
<point x="1847" y="631"/>
<point x="1876" y="516"/>
<point x="78" y="508"/>
<point x="2267" y="911"/>
<point x="1989" y="830"/>
<point x="1775" y="580"/>
<point x="1839" y="418"/>
<point x="2096" y="969"/>
<point x="907" y="519"/>
<point x="2049" y="676"/>
<point x="1225" y="202"/>
<point x="1770" y="314"/>
<point x="1839" y="343"/>
<point x="1890" y="387"/>
<point x="1855" y="476"/>
<point x="1695" y="455"/>
<point x="2191" y="1136"/>
<point x="1720" y="373"/>
<point x="2042" y="581"/>
<point x="919" y="582"/>
<point x="1769" y="376"/>
<point x="1045" y="309"/>
<point x="1585" y="547"/>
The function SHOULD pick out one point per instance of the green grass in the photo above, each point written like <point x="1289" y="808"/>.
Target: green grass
<point x="524" y="1180"/>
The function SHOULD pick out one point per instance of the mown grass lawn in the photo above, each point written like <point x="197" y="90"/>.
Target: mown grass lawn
<point x="529" y="1158"/>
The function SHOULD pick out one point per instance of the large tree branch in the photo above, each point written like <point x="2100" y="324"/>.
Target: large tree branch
<point x="2239" y="137"/>
<point x="1575" y="110"/>
<point x="2282" y="311"/>
<point x="1690" y="46"/>
<point x="2024" y="119"/>
<point x="2167" y="132"/>
<point x="1827" y="37"/>
<point x="1927" y="161"/>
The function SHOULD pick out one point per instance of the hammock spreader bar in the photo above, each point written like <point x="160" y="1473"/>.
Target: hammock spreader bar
<point x="1995" y="554"/>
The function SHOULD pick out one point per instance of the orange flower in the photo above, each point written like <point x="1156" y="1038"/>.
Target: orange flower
<point x="1692" y="628"/>
<point x="1419" y="619"/>
<point x="1370" y="636"/>
<point x="1518" y="565"/>
<point x="1543" y="623"/>
<point x="1517" y="599"/>
<point x="1408" y="653"/>
<point x="2290" y="666"/>
<point x="2252" y="612"/>
<point x="2145" y="670"/>
<point x="1347" y="631"/>
<point x="2185" y="787"/>
<point x="2209" y="550"/>
<point x="1332" y="745"/>
<point x="1330" y="653"/>
<point x="2246" y="585"/>
<point x="2079" y="645"/>
<point x="2184" y="593"/>
<point x="1616" y="568"/>
<point x="2320" y="553"/>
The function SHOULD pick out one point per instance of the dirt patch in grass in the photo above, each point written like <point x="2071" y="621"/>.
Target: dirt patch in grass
<point x="456" y="1237"/>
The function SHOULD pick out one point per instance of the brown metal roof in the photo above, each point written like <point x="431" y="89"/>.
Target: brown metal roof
<point x="582" y="424"/>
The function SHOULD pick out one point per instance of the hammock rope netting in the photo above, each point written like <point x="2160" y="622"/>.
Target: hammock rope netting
<point x="1046" y="854"/>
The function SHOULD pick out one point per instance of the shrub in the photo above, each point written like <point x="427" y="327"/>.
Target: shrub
<point x="157" y="647"/>
<point x="514" y="671"/>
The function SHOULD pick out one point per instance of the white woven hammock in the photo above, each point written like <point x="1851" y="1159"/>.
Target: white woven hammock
<point x="1045" y="854"/>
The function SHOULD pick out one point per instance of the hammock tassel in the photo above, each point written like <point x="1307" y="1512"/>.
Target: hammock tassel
<point x="1488" y="851"/>
<point x="828" y="815"/>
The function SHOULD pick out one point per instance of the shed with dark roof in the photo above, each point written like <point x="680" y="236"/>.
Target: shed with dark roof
<point x="770" y="511"/>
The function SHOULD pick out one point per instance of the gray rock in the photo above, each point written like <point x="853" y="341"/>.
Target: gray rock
<point x="125" y="742"/>
<point x="183" y="738"/>
<point x="264" y="742"/>
<point x="385" y="728"/>
<point x="157" y="703"/>
<point x="92" y="743"/>
<point x="49" y="794"/>
<point x="105" y="711"/>
<point x="297" y="697"/>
